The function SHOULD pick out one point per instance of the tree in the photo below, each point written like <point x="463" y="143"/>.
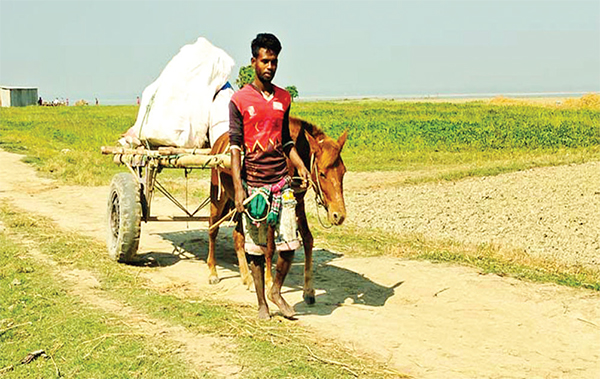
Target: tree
<point x="245" y="76"/>
<point x="293" y="91"/>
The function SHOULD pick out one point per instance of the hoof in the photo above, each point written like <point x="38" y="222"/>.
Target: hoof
<point x="213" y="280"/>
<point x="247" y="281"/>
<point x="309" y="298"/>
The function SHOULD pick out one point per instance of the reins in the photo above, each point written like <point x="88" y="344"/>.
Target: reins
<point x="319" y="202"/>
<point x="229" y="216"/>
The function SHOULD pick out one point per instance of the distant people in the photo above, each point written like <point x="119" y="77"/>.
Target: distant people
<point x="67" y="102"/>
<point x="97" y="101"/>
<point x="55" y="101"/>
<point x="40" y="102"/>
<point x="137" y="100"/>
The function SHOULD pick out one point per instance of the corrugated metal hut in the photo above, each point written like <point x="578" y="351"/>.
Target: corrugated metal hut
<point x="18" y="96"/>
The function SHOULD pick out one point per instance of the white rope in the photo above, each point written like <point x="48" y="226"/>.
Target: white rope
<point x="264" y="195"/>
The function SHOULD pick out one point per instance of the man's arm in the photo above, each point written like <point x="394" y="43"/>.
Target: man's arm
<point x="236" y="140"/>
<point x="297" y="162"/>
<point x="236" y="174"/>
<point x="290" y="150"/>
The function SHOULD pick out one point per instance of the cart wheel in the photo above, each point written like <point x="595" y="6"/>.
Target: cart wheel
<point x="124" y="218"/>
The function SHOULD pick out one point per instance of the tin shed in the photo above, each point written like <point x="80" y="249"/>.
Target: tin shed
<point x="18" y="96"/>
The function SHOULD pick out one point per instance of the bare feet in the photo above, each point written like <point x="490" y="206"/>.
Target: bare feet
<point x="278" y="300"/>
<point x="263" y="313"/>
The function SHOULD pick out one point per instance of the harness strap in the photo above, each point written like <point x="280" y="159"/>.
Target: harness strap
<point x="227" y="150"/>
<point x="318" y="191"/>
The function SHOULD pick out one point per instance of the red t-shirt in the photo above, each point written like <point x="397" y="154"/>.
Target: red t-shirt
<point x="260" y="127"/>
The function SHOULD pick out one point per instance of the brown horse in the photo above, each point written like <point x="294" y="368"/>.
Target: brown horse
<point x="321" y="155"/>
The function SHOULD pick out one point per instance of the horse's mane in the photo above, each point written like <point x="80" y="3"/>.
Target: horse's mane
<point x="312" y="129"/>
<point x="329" y="146"/>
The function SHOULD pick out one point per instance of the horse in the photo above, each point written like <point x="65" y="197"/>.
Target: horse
<point x="321" y="156"/>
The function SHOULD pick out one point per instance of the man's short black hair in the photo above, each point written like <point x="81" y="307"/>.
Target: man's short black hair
<point x="267" y="41"/>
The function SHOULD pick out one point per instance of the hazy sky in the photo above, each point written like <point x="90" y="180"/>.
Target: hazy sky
<point x="113" y="49"/>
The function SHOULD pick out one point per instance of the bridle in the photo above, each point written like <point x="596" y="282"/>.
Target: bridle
<point x="319" y="200"/>
<point x="316" y="187"/>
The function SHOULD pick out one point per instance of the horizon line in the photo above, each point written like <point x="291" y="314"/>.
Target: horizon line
<point x="474" y="95"/>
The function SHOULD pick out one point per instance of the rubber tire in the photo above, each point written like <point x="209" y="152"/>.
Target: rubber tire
<point x="124" y="218"/>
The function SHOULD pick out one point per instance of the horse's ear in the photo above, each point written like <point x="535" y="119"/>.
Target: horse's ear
<point x="314" y="144"/>
<point x="342" y="140"/>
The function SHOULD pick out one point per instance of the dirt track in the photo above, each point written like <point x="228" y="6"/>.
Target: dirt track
<point x="429" y="320"/>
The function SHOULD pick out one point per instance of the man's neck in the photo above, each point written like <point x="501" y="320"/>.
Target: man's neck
<point x="264" y="87"/>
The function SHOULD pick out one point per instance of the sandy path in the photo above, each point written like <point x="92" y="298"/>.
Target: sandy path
<point x="429" y="320"/>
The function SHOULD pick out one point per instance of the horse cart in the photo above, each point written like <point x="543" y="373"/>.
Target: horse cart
<point x="131" y="193"/>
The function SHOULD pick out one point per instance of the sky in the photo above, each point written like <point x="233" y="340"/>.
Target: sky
<point x="113" y="49"/>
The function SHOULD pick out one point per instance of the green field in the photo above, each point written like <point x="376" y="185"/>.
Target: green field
<point x="389" y="135"/>
<point x="449" y="140"/>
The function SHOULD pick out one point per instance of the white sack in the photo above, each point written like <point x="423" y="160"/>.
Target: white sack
<point x="219" y="114"/>
<point x="175" y="110"/>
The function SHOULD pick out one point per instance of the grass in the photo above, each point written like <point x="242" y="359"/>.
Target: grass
<point x="447" y="140"/>
<point x="37" y="312"/>
<point x="64" y="142"/>
<point x="62" y="324"/>
<point x="399" y="136"/>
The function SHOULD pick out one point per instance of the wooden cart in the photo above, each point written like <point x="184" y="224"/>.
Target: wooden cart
<point x="130" y="196"/>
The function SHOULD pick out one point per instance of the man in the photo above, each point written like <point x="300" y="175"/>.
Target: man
<point x="259" y="127"/>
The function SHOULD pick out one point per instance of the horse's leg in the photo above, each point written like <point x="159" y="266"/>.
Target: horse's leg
<point x="307" y="240"/>
<point x="217" y="208"/>
<point x="212" y="241"/>
<point x="238" y="243"/>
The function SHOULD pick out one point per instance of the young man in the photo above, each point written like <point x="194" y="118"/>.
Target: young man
<point x="259" y="127"/>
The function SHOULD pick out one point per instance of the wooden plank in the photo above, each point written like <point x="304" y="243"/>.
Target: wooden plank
<point x="178" y="150"/>
<point x="179" y="218"/>
<point x="162" y="151"/>
<point x="106" y="150"/>
<point x="185" y="161"/>
<point x="197" y="161"/>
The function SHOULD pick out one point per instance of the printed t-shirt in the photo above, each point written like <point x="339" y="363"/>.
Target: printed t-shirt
<point x="260" y="127"/>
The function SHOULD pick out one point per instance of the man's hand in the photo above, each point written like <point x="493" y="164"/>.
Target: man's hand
<point x="240" y="196"/>
<point x="305" y="175"/>
<point x="302" y="171"/>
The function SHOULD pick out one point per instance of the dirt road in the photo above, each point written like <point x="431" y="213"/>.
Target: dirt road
<point x="428" y="320"/>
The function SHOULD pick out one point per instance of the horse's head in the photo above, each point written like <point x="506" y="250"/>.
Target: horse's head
<point x="327" y="170"/>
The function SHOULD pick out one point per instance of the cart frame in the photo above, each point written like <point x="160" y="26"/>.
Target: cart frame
<point x="130" y="199"/>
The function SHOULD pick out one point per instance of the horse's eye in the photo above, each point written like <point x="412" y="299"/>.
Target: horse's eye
<point x="322" y="174"/>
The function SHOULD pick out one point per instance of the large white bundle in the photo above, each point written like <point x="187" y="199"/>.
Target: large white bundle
<point x="219" y="114"/>
<point x="175" y="109"/>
